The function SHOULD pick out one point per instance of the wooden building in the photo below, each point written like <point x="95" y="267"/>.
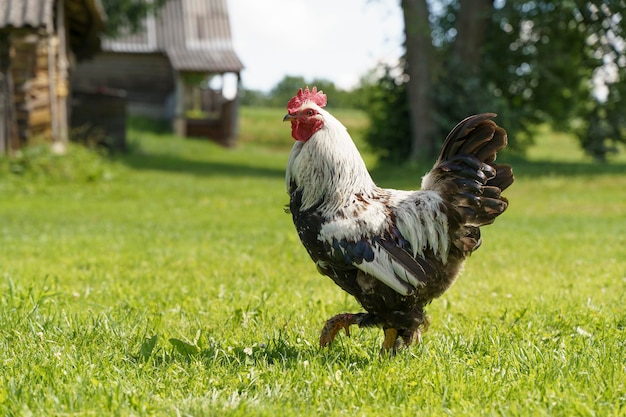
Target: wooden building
<point x="180" y="67"/>
<point x="40" y="40"/>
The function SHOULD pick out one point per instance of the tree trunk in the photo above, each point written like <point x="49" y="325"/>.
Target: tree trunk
<point x="470" y="33"/>
<point x="471" y="24"/>
<point x="419" y="55"/>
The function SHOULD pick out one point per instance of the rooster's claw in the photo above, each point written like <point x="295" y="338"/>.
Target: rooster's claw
<point x="334" y="325"/>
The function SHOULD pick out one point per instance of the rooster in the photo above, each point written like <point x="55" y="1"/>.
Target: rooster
<point x="393" y="250"/>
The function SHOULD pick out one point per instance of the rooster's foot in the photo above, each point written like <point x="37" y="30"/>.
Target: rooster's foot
<point x="395" y="340"/>
<point x="335" y="324"/>
<point x="391" y="342"/>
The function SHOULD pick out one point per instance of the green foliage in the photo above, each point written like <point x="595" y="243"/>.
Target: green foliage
<point x="125" y="16"/>
<point x="179" y="287"/>
<point x="253" y="98"/>
<point x="285" y="89"/>
<point x="603" y="126"/>
<point x="38" y="163"/>
<point x="387" y="107"/>
<point x="553" y="51"/>
<point x="289" y="85"/>
<point x="538" y="62"/>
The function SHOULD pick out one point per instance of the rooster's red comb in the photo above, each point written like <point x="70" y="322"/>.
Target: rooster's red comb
<point x="317" y="97"/>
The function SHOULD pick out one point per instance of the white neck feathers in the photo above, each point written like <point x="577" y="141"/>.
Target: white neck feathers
<point x="328" y="167"/>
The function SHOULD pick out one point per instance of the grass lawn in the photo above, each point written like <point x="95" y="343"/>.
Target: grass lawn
<point x="171" y="282"/>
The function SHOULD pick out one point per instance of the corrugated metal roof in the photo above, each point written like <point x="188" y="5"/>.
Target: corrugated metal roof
<point x="40" y="13"/>
<point x="194" y="34"/>
<point x="21" y="13"/>
<point x="224" y="60"/>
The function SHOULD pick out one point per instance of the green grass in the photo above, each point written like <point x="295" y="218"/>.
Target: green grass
<point x="170" y="282"/>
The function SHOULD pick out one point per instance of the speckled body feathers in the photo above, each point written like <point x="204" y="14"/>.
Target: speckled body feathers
<point x="394" y="250"/>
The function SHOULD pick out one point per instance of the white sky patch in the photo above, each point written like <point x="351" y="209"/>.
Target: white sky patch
<point x="335" y="40"/>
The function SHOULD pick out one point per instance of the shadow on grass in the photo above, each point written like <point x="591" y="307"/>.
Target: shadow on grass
<point x="403" y="175"/>
<point x="539" y="168"/>
<point x="277" y="352"/>
<point x="410" y="176"/>
<point x="178" y="164"/>
<point x="161" y="159"/>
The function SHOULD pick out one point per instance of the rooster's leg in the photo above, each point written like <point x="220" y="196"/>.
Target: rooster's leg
<point x="390" y="344"/>
<point x="335" y="324"/>
<point x="396" y="339"/>
<point x="411" y="337"/>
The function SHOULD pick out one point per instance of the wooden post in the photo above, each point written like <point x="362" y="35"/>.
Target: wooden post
<point x="179" y="107"/>
<point x="4" y="131"/>
<point x="4" y="94"/>
<point x="61" y="86"/>
<point x="11" y="139"/>
<point x="235" y="118"/>
<point x="52" y="77"/>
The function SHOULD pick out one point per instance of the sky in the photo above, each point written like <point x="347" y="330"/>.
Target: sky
<point x="336" y="40"/>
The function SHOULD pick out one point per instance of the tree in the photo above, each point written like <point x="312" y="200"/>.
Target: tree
<point x="530" y="61"/>
<point x="249" y="97"/>
<point x="419" y="59"/>
<point x="285" y="89"/>
<point x="389" y="133"/>
<point x="557" y="49"/>
<point x="127" y="14"/>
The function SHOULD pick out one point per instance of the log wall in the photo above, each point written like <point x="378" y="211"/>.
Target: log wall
<point x="34" y="89"/>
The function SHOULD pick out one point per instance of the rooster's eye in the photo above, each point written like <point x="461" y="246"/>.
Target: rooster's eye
<point x="310" y="112"/>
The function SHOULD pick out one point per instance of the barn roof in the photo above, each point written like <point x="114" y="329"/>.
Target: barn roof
<point x="40" y="13"/>
<point x="85" y="20"/>
<point x="194" y="34"/>
<point x="20" y="13"/>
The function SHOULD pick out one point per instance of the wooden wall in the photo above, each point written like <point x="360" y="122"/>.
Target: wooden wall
<point x="99" y="119"/>
<point x="7" y="125"/>
<point x="219" y="129"/>
<point x="35" y="66"/>
<point x="34" y="87"/>
<point x="31" y="84"/>
<point x="148" y="80"/>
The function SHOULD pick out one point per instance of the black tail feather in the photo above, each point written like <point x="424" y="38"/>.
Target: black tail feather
<point x="504" y="176"/>
<point x="476" y="135"/>
<point x="467" y="177"/>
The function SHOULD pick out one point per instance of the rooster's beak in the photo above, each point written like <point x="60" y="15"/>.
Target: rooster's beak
<point x="288" y="117"/>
